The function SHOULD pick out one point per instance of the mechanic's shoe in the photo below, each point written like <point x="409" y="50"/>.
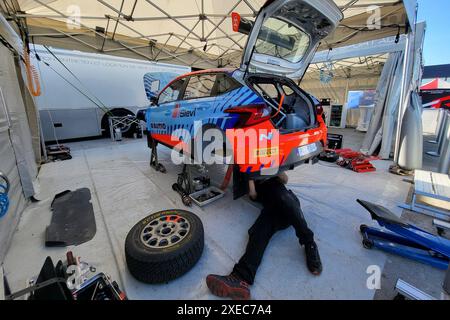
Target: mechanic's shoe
<point x="313" y="258"/>
<point x="228" y="287"/>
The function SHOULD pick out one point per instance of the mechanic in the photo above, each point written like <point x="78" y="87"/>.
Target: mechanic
<point x="281" y="209"/>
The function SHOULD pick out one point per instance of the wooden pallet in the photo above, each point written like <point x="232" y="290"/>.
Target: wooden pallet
<point x="434" y="186"/>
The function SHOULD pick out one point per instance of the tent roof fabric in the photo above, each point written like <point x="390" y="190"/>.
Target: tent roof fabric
<point x="436" y="84"/>
<point x="190" y="32"/>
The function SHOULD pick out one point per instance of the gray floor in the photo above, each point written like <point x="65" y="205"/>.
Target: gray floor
<point x="126" y="190"/>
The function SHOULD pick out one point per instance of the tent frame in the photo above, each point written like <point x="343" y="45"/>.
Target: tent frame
<point x="177" y="53"/>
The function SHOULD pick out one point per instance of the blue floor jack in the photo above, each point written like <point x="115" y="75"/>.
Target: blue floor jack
<point x="406" y="240"/>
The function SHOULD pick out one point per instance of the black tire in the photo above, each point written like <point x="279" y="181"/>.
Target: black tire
<point x="329" y="156"/>
<point x="161" y="265"/>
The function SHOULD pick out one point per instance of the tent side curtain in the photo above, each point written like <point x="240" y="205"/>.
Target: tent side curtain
<point x="12" y="96"/>
<point x="382" y="126"/>
<point x="336" y="90"/>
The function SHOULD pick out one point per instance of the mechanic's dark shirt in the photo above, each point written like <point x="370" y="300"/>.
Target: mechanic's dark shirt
<point x="265" y="188"/>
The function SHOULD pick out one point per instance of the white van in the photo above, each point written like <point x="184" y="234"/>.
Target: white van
<point x="123" y="85"/>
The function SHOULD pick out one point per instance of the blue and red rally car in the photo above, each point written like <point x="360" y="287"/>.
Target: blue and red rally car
<point x="261" y="96"/>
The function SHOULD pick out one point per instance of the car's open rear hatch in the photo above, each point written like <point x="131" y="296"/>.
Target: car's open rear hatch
<point x="286" y="34"/>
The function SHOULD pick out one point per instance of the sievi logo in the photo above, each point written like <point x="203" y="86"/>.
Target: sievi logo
<point x="178" y="113"/>
<point x="187" y="113"/>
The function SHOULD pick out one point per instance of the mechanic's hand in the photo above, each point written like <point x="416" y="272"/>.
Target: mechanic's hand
<point x="252" y="190"/>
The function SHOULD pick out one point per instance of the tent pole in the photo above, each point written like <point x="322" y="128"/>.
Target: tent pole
<point x="401" y="108"/>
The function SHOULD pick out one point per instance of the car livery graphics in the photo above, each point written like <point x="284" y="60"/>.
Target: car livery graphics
<point x="210" y="112"/>
<point x="155" y="81"/>
<point x="281" y="125"/>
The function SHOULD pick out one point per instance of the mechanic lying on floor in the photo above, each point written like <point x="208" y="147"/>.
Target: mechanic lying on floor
<point x="281" y="210"/>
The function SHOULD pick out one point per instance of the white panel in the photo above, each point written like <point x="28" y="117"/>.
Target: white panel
<point x="8" y="162"/>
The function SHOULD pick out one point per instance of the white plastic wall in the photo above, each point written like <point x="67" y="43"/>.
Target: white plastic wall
<point x="17" y="159"/>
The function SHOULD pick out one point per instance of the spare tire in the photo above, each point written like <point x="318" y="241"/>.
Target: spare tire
<point x="329" y="156"/>
<point x="164" y="246"/>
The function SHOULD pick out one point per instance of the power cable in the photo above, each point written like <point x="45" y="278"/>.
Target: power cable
<point x="100" y="104"/>
<point x="55" y="136"/>
<point x="96" y="103"/>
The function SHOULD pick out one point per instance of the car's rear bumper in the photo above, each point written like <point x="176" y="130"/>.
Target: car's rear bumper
<point x="286" y="155"/>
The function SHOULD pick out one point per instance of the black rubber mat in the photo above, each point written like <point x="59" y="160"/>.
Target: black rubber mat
<point x="73" y="220"/>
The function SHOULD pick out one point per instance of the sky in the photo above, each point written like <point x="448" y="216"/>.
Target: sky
<point x="437" y="39"/>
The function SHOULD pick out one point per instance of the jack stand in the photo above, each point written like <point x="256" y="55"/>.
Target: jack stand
<point x="154" y="163"/>
<point x="183" y="186"/>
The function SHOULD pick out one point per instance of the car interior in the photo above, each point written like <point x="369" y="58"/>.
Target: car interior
<point x="296" y="112"/>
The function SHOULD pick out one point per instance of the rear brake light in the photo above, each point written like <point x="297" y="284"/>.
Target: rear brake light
<point x="253" y="114"/>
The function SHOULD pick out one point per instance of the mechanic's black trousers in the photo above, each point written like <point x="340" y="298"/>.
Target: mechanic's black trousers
<point x="281" y="210"/>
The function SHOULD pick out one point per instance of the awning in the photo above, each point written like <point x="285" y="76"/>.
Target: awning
<point x="197" y="33"/>
<point x="435" y="85"/>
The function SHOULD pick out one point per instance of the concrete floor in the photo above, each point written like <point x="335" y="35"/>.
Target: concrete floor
<point x="125" y="190"/>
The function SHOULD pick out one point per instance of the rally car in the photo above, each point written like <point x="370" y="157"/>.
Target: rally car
<point x="261" y="96"/>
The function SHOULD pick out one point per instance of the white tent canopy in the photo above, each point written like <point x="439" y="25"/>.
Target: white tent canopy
<point x="190" y="32"/>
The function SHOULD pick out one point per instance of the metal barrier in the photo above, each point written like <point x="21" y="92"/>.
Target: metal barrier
<point x="117" y="126"/>
<point x="444" y="151"/>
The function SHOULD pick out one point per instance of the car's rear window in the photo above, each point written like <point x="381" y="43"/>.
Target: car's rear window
<point x="225" y="83"/>
<point x="282" y="40"/>
<point x="200" y="86"/>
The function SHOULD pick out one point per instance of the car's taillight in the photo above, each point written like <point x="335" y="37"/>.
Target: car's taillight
<point x="252" y="114"/>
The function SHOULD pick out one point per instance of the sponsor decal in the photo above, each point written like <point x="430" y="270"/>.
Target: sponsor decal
<point x="268" y="137"/>
<point x="158" y="126"/>
<point x="178" y="113"/>
<point x="266" y="152"/>
<point x="187" y="113"/>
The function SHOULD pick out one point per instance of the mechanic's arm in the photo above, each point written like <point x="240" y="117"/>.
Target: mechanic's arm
<point x="252" y="190"/>
<point x="283" y="177"/>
